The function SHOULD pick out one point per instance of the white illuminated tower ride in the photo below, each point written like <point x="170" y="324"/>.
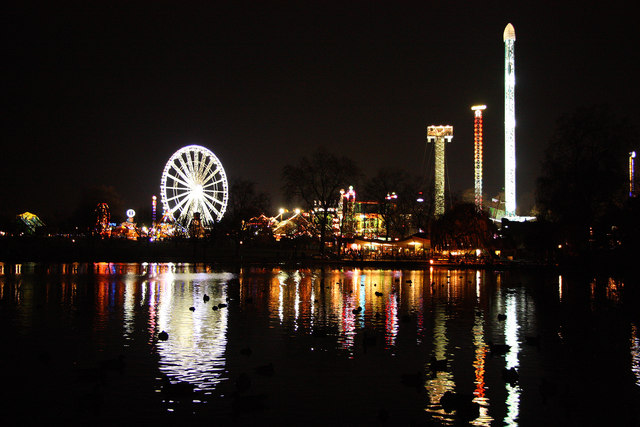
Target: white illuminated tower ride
<point x="509" y="38"/>
<point x="438" y="135"/>
<point x="477" y="153"/>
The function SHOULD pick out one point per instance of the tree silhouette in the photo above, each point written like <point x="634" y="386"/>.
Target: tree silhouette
<point x="245" y="202"/>
<point x="585" y="172"/>
<point x="463" y="227"/>
<point x="404" y="213"/>
<point x="316" y="182"/>
<point x="381" y="188"/>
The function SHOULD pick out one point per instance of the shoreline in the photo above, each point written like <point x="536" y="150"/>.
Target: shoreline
<point x="227" y="255"/>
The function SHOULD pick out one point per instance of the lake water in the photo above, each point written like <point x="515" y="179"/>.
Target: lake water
<point x="80" y="344"/>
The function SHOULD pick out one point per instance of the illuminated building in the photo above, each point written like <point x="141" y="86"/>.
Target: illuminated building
<point x="509" y="38"/>
<point x="350" y="218"/>
<point x="359" y="218"/>
<point x="477" y="154"/>
<point x="438" y="135"/>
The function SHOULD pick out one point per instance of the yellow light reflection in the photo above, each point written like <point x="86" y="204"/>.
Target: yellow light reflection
<point x="296" y="302"/>
<point x="614" y="290"/>
<point x="129" y="307"/>
<point x="442" y="381"/>
<point x="560" y="288"/>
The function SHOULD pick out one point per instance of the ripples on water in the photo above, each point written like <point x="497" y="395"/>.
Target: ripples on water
<point x="310" y="347"/>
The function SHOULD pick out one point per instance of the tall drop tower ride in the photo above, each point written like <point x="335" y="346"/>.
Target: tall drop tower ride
<point x="438" y="135"/>
<point x="509" y="38"/>
<point x="477" y="153"/>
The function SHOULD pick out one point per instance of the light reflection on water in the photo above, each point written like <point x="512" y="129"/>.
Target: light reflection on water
<point x="635" y="353"/>
<point x="479" y="365"/>
<point x="382" y="323"/>
<point x="511" y="328"/>
<point x="196" y="354"/>
<point x="440" y="381"/>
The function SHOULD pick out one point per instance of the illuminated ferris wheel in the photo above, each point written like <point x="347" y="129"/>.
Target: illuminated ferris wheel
<point x="194" y="181"/>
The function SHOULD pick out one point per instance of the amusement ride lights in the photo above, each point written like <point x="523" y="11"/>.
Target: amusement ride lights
<point x="438" y="135"/>
<point x="477" y="153"/>
<point x="509" y="38"/>
<point x="194" y="181"/>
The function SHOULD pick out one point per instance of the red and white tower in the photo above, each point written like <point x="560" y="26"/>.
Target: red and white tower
<point x="477" y="153"/>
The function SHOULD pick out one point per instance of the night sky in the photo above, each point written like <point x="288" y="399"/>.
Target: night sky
<point x="104" y="93"/>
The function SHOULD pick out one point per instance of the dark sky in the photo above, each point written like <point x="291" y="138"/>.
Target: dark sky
<point x="103" y="93"/>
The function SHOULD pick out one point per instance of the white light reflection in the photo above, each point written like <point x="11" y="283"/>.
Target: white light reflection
<point x="282" y="276"/>
<point x="511" y="338"/>
<point x="312" y="308"/>
<point x="296" y="303"/>
<point x="348" y="324"/>
<point x="478" y="286"/>
<point x="129" y="307"/>
<point x="391" y="324"/>
<point x="635" y="353"/>
<point x="195" y="351"/>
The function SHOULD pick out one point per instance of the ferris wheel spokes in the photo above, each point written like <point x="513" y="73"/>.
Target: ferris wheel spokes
<point x="194" y="181"/>
<point x="210" y="205"/>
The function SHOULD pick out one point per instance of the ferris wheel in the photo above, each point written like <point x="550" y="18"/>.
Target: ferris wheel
<point x="194" y="181"/>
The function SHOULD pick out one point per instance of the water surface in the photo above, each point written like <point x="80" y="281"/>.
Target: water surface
<point x="311" y="347"/>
